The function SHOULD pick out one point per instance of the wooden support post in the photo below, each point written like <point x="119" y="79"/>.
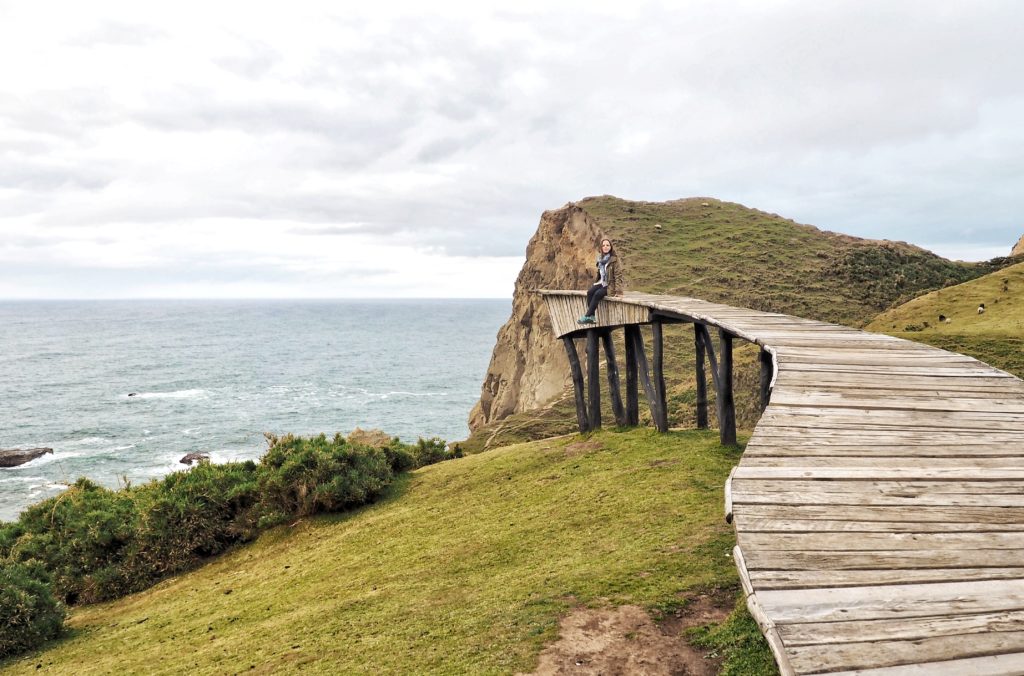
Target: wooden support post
<point x="613" y="378"/>
<point x="726" y="404"/>
<point x="709" y="348"/>
<point x="767" y="371"/>
<point x="658" y="346"/>
<point x="702" y="379"/>
<point x="645" y="378"/>
<point x="593" y="381"/>
<point x="577" y="383"/>
<point x="632" y="401"/>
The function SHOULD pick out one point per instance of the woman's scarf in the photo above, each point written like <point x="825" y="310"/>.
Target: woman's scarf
<point x="602" y="267"/>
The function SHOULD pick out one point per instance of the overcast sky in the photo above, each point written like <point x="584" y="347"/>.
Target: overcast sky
<point x="324" y="149"/>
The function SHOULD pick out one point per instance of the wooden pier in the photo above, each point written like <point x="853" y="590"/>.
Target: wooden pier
<point x="879" y="504"/>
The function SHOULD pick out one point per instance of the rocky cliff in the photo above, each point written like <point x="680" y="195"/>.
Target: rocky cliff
<point x="529" y="366"/>
<point x="1018" y="249"/>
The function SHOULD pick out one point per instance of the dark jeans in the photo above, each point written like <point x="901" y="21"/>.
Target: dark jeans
<point x="594" y="296"/>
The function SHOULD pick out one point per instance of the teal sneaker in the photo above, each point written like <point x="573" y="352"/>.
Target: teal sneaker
<point x="585" y="319"/>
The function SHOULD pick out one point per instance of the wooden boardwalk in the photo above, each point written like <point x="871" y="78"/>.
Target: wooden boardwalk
<point x="879" y="504"/>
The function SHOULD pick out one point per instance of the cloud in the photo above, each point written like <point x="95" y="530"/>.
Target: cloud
<point x="392" y="127"/>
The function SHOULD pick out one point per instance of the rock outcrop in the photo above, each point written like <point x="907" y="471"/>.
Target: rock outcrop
<point x="1018" y="249"/>
<point x="528" y="366"/>
<point x="19" y="456"/>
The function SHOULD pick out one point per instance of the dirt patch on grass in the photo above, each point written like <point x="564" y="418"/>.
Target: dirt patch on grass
<point x="581" y="447"/>
<point x="626" y="640"/>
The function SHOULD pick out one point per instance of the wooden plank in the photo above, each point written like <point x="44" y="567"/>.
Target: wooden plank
<point x="858" y="456"/>
<point x="907" y="421"/>
<point x="992" y="665"/>
<point x="948" y="400"/>
<point x="902" y="402"/>
<point x="876" y="358"/>
<point x="904" y="629"/>
<point x="958" y="371"/>
<point x="874" y="654"/>
<point x="882" y="487"/>
<point x="891" y="601"/>
<point x="842" y="523"/>
<point x="981" y="386"/>
<point x="797" y="435"/>
<point x="813" y="579"/>
<point x="882" y="559"/>
<point x="825" y="541"/>
<point x="1012" y="517"/>
<point x="907" y="498"/>
<point x="972" y="474"/>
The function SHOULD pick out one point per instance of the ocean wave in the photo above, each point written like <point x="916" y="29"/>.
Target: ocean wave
<point x="178" y="394"/>
<point x="85" y="441"/>
<point x="399" y="393"/>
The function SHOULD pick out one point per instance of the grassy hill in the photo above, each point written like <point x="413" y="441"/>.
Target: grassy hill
<point x="995" y="337"/>
<point x="726" y="252"/>
<point x="729" y="253"/>
<point x="466" y="567"/>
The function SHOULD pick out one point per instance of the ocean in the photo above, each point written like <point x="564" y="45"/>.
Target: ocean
<point x="121" y="390"/>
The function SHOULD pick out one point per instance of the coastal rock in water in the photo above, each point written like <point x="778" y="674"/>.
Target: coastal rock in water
<point x="195" y="457"/>
<point x="19" y="456"/>
<point x="528" y="366"/>
<point x="1018" y="249"/>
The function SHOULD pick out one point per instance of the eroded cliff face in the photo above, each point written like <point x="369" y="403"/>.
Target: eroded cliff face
<point x="528" y="366"/>
<point x="1018" y="249"/>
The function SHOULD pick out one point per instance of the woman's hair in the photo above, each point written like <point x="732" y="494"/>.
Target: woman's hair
<point x="611" y="247"/>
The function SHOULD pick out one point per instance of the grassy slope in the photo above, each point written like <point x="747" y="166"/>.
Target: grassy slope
<point x="726" y="252"/>
<point x="995" y="337"/>
<point x="465" y="568"/>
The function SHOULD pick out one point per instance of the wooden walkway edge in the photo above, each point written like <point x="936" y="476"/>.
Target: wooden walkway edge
<point x="879" y="504"/>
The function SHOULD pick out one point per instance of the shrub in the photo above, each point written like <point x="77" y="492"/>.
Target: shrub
<point x="188" y="516"/>
<point x="29" y="613"/>
<point x="79" y="536"/>
<point x="400" y="457"/>
<point x="300" y="477"/>
<point x="430" y="451"/>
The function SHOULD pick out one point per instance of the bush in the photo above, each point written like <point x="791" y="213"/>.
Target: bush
<point x="29" y="613"/>
<point x="300" y="477"/>
<point x="430" y="451"/>
<point x="188" y="516"/>
<point x="79" y="536"/>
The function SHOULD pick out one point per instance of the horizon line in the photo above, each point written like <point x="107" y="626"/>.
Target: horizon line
<point x="253" y="298"/>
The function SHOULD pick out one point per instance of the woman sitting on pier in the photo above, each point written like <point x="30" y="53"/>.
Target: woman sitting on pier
<point x="609" y="280"/>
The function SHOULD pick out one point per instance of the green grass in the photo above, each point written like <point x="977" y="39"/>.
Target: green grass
<point x="738" y="637"/>
<point x="465" y="567"/>
<point x="995" y="337"/>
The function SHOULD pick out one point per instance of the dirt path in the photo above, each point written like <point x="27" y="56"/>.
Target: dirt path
<point x="626" y="640"/>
